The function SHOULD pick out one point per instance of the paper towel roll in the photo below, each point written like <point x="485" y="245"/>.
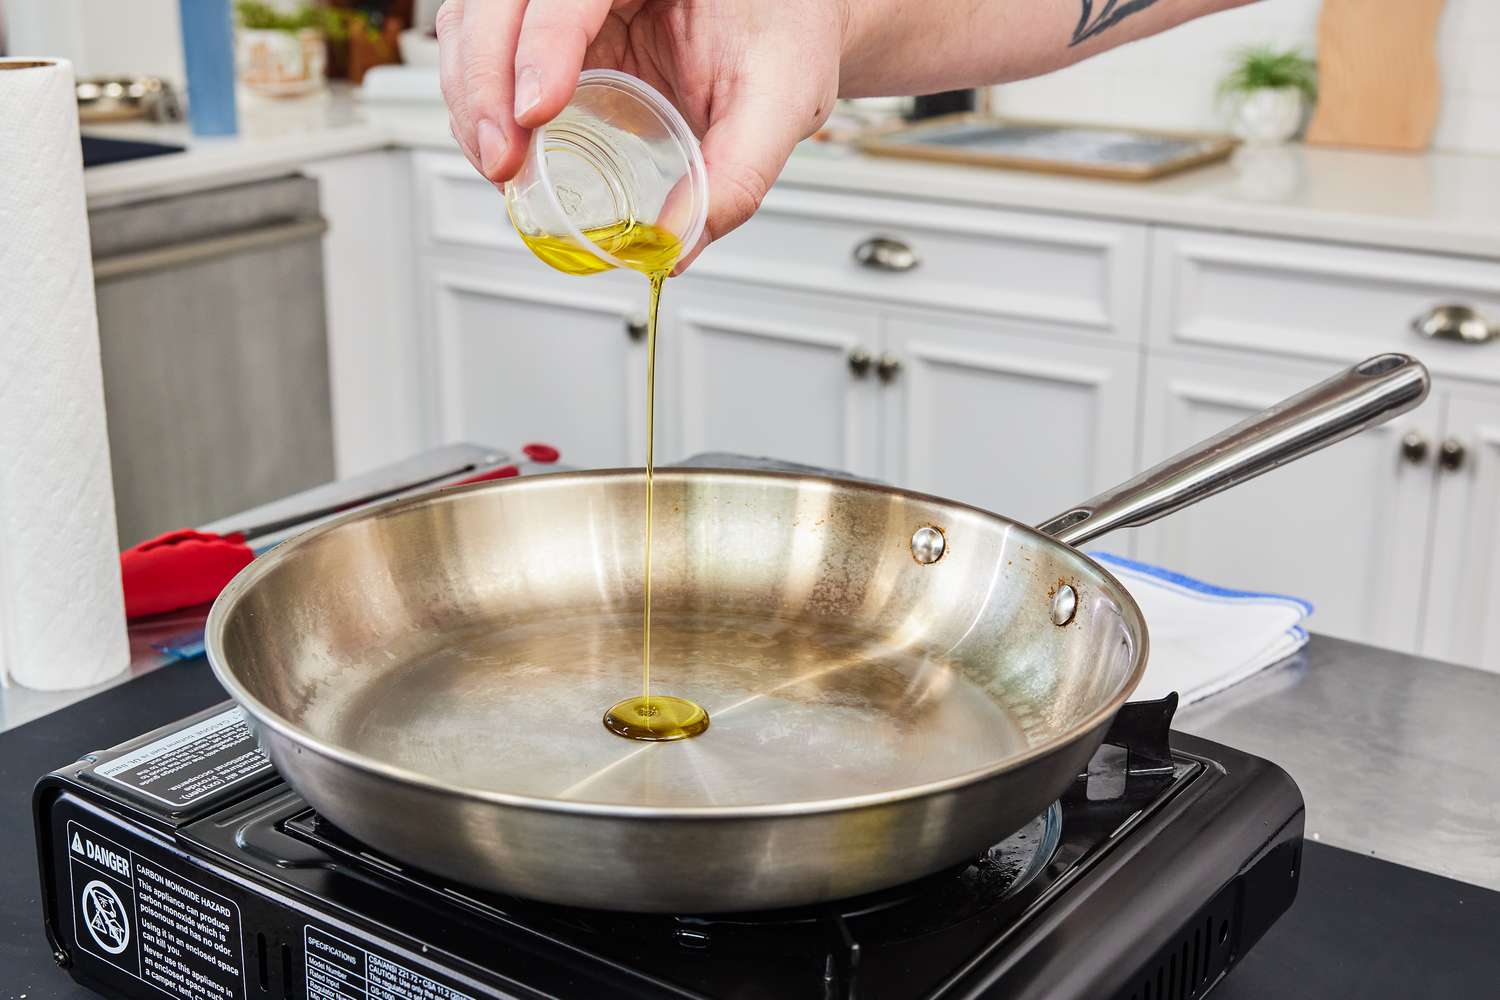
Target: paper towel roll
<point x="62" y="614"/>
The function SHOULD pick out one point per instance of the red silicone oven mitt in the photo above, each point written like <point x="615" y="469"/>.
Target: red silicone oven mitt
<point x="180" y="569"/>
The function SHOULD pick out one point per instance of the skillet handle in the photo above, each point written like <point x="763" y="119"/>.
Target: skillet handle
<point x="1358" y="398"/>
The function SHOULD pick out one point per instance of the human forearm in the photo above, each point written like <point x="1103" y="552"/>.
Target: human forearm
<point x="924" y="46"/>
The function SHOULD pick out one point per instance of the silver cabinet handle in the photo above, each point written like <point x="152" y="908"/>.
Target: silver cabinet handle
<point x="635" y="329"/>
<point x="1451" y="454"/>
<point x="859" y="362"/>
<point x="886" y="253"/>
<point x="888" y="367"/>
<point x="1370" y="393"/>
<point x="1454" y="322"/>
<point x="1414" y="447"/>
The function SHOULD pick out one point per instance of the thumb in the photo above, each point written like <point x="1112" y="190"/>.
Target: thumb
<point x="744" y="150"/>
<point x="555" y="34"/>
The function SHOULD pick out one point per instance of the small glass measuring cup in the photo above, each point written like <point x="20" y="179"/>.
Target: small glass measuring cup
<point x="615" y="180"/>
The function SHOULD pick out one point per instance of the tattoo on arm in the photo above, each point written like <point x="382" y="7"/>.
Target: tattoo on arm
<point x="1110" y="14"/>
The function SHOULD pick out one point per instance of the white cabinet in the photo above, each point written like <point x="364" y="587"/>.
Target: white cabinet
<point x="518" y="355"/>
<point x="770" y="374"/>
<point x="1264" y="298"/>
<point x="1398" y="551"/>
<point x="1016" y="424"/>
<point x="1463" y="599"/>
<point x="1345" y="528"/>
<point x="1085" y="273"/>
<point x="964" y="407"/>
<point x="374" y="347"/>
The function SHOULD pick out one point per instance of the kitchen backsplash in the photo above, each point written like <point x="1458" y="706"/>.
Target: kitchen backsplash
<point x="1169" y="81"/>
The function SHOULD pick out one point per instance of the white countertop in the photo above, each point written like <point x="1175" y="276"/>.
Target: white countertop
<point x="275" y="137"/>
<point x="1443" y="202"/>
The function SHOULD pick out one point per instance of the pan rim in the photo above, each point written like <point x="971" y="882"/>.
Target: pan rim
<point x="264" y="715"/>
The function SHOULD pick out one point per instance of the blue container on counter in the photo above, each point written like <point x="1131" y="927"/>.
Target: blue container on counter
<point x="208" y="54"/>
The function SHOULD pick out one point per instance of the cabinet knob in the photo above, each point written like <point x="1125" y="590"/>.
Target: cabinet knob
<point x="1454" y="322"/>
<point x="1414" y="447"/>
<point x="1451" y="454"/>
<point x="888" y="367"/>
<point x="635" y="329"/>
<point x="859" y="362"/>
<point x="886" y="253"/>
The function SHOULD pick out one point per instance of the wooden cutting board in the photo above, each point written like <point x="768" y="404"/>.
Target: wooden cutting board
<point x="1377" y="74"/>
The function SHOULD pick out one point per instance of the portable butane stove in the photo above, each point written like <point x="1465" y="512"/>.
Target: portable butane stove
<point x="179" y="864"/>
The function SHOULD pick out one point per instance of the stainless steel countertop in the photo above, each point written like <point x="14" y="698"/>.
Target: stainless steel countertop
<point x="1397" y="756"/>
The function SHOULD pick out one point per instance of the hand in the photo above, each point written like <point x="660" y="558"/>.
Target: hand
<point x="752" y="78"/>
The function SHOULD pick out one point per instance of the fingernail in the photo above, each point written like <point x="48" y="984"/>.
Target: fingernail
<point x="491" y="145"/>
<point x="528" y="90"/>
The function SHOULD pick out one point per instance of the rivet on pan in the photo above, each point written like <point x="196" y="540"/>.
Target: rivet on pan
<point x="928" y="545"/>
<point x="1064" y="604"/>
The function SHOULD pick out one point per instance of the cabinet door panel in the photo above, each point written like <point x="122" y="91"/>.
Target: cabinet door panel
<point x="1345" y="528"/>
<point x="1071" y="276"/>
<point x="1219" y="291"/>
<point x="527" y="358"/>
<point x="769" y="374"/>
<point x="1463" y="602"/>
<point x="1007" y="422"/>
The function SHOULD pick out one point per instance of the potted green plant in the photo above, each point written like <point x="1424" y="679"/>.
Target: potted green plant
<point x="1271" y="91"/>
<point x="279" y="52"/>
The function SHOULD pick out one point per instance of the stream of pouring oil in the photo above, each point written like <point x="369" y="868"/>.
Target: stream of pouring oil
<point x="654" y="252"/>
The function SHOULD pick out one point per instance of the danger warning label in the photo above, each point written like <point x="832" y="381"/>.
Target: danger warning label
<point x="184" y="766"/>
<point x="158" y="926"/>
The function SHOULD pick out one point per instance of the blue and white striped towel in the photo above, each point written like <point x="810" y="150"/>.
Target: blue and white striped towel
<point x="1206" y="638"/>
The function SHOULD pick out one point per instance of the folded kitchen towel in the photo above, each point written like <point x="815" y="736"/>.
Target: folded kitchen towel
<point x="1206" y="638"/>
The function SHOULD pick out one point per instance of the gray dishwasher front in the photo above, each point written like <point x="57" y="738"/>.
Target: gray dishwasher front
<point x="215" y="353"/>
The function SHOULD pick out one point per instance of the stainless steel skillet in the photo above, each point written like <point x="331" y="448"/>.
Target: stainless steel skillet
<point x="894" y="680"/>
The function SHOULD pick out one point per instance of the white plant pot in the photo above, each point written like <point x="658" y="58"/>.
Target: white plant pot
<point x="1269" y="116"/>
<point x="281" y="63"/>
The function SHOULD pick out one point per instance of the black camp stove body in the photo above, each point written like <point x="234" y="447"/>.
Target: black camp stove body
<point x="180" y="865"/>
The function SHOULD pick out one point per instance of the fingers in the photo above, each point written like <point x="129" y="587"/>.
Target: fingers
<point x="489" y="30"/>
<point x="744" y="151"/>
<point x="549" y="54"/>
<point x="450" y="70"/>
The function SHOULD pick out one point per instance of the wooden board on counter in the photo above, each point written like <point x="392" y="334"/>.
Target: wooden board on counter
<point x="1377" y="74"/>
